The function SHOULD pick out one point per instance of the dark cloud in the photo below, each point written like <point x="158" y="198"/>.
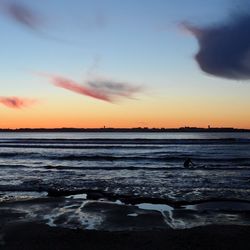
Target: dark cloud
<point x="224" y="49"/>
<point x="16" y="102"/>
<point x="22" y="14"/>
<point x="106" y="90"/>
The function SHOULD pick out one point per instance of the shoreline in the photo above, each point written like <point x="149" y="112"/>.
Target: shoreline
<point x="75" y="222"/>
<point x="101" y="213"/>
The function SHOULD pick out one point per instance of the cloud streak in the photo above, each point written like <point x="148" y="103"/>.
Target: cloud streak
<point x="77" y="88"/>
<point x="33" y="20"/>
<point x="16" y="102"/>
<point x="22" y="14"/>
<point x="106" y="90"/>
<point x="224" y="49"/>
<point x="95" y="22"/>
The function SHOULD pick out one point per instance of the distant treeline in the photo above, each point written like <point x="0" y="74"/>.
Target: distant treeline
<point x="139" y="129"/>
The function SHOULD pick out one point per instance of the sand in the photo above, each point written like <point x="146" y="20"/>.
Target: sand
<point x="39" y="236"/>
<point x="23" y="225"/>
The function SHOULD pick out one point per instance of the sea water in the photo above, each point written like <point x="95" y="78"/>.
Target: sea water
<point x="148" y="165"/>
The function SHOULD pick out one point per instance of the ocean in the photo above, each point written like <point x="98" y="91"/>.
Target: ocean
<point x="148" y="165"/>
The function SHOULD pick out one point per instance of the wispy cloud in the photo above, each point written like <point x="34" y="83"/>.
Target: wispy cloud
<point x="22" y="14"/>
<point x="33" y="20"/>
<point x="224" y="49"/>
<point x="112" y="88"/>
<point x="77" y="88"/>
<point x="16" y="102"/>
<point x="106" y="90"/>
<point x="96" y="22"/>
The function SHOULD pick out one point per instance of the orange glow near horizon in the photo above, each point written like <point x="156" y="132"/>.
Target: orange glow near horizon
<point x="161" y="122"/>
<point x="118" y="125"/>
<point x="152" y="112"/>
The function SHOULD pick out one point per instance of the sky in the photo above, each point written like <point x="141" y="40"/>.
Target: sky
<point x="145" y="63"/>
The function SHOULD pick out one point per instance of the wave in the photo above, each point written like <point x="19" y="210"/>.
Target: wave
<point x="14" y="166"/>
<point x="112" y="158"/>
<point x="126" y="141"/>
<point x="59" y="146"/>
<point x="19" y="155"/>
<point x="129" y="168"/>
<point x="8" y="155"/>
<point x="142" y="158"/>
<point x="135" y="158"/>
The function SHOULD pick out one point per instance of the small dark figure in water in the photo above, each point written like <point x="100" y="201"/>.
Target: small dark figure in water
<point x="188" y="163"/>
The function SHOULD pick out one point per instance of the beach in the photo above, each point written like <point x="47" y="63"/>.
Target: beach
<point x="36" y="236"/>
<point x="29" y="225"/>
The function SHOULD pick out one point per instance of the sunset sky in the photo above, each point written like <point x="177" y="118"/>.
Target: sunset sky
<point x="95" y="63"/>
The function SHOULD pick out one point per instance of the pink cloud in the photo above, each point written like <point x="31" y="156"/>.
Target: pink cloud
<point x="77" y="88"/>
<point x="16" y="102"/>
<point x="106" y="90"/>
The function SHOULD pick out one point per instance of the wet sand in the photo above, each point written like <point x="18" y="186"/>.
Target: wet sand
<point x="37" y="236"/>
<point x="68" y="223"/>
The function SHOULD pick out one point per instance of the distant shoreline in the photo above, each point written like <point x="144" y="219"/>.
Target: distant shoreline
<point x="127" y="130"/>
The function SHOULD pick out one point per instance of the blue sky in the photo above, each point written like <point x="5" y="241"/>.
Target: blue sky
<point x="139" y="42"/>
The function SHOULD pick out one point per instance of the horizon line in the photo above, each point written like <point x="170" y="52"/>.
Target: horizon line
<point x="127" y="128"/>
